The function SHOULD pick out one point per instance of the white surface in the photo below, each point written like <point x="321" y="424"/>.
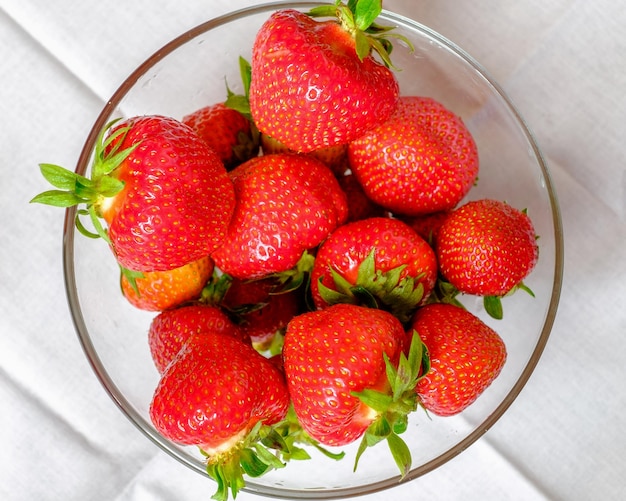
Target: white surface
<point x="563" y="64"/>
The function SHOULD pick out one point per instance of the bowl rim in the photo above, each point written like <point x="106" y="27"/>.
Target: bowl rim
<point x="128" y="409"/>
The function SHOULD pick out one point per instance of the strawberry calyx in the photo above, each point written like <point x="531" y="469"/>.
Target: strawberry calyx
<point x="395" y="404"/>
<point x="262" y="449"/>
<point x="241" y="102"/>
<point x="445" y="292"/>
<point x="289" y="432"/>
<point x="74" y="189"/>
<point x="357" y="18"/>
<point x="249" y="456"/>
<point x="376" y="289"/>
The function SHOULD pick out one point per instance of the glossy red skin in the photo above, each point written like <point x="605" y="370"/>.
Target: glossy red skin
<point x="486" y="247"/>
<point x="329" y="353"/>
<point x="286" y="204"/>
<point x="395" y="242"/>
<point x="220" y="127"/>
<point x="171" y="329"/>
<point x="177" y="200"/>
<point x="466" y="356"/>
<point x="309" y="89"/>
<point x="215" y="391"/>
<point x="422" y="160"/>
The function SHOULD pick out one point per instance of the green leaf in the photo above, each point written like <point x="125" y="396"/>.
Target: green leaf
<point x="374" y="399"/>
<point x="245" y="70"/>
<point x="95" y="221"/>
<point x="332" y="455"/>
<point x="109" y="186"/>
<point x="59" y="177"/>
<point x="238" y="103"/>
<point x="378" y="431"/>
<point x="362" y="45"/>
<point x="251" y="464"/>
<point x="112" y="162"/>
<point x="364" y="296"/>
<point x="400" y="452"/>
<point x="526" y="289"/>
<point x="366" y="12"/>
<point x="57" y="198"/>
<point x="80" y="227"/>
<point x="132" y="277"/>
<point x="323" y="11"/>
<point x="493" y="306"/>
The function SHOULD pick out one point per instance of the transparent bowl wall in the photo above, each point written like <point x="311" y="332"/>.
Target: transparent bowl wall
<point x="190" y="72"/>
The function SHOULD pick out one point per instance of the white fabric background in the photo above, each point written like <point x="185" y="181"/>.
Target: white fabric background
<point x="562" y="62"/>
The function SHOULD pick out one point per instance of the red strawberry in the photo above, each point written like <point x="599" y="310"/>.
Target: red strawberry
<point x="313" y="86"/>
<point x="359" y="205"/>
<point x="286" y="204"/>
<point x="164" y="193"/>
<point x="262" y="311"/>
<point x="335" y="157"/>
<point x="171" y="329"/>
<point x="427" y="226"/>
<point x="466" y="355"/>
<point x="487" y="248"/>
<point x="226" y="131"/>
<point x="219" y="394"/>
<point x="159" y="290"/>
<point x="422" y="160"/>
<point x="377" y="258"/>
<point x="337" y="362"/>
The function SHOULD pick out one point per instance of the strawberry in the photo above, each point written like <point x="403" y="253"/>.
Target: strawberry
<point x="423" y="159"/>
<point x="226" y="131"/>
<point x="171" y="329"/>
<point x="427" y="226"/>
<point x="262" y="310"/>
<point x="465" y="354"/>
<point x="487" y="248"/>
<point x="341" y="365"/>
<point x="359" y="205"/>
<point x="221" y="395"/>
<point x="159" y="290"/>
<point x="376" y="261"/>
<point x="335" y="157"/>
<point x="164" y="194"/>
<point x="316" y="84"/>
<point x="286" y="204"/>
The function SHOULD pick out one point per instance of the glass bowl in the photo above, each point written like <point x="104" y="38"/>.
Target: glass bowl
<point x="190" y="72"/>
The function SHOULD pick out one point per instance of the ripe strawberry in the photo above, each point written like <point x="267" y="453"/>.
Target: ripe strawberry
<point x="171" y="329"/>
<point x="422" y="160"/>
<point x="286" y="204"/>
<point x="487" y="248"/>
<point x="341" y="368"/>
<point x="315" y="84"/>
<point x="427" y="226"/>
<point x="335" y="157"/>
<point x="376" y="261"/>
<point x="262" y="310"/>
<point x="160" y="290"/>
<point x="226" y="131"/>
<point x="164" y="193"/>
<point x="466" y="355"/>
<point x="359" y="205"/>
<point x="221" y="395"/>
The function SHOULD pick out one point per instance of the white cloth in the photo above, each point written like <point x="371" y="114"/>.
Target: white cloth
<point x="563" y="64"/>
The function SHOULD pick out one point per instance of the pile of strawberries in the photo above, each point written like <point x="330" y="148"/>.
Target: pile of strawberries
<point x="303" y="245"/>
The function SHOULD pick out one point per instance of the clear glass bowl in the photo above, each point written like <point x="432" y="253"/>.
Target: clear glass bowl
<point x="190" y="72"/>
